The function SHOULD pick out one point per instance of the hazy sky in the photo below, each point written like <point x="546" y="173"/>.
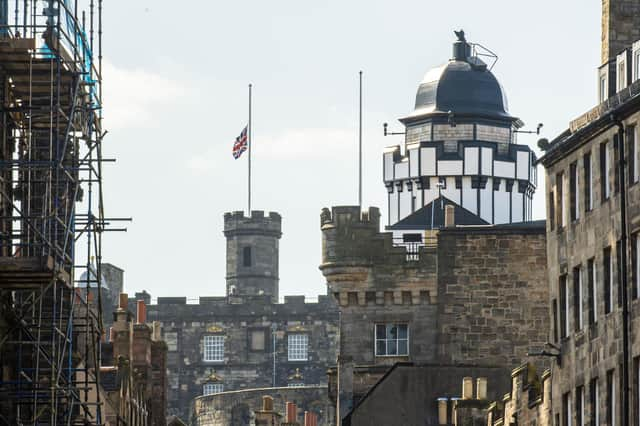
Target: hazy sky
<point x="176" y="76"/>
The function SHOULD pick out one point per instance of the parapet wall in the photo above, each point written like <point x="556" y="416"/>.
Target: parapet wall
<point x="236" y="223"/>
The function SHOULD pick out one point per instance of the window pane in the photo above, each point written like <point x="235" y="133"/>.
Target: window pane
<point x="402" y="331"/>
<point x="380" y="331"/>
<point x="392" y="331"/>
<point x="381" y="347"/>
<point x="392" y="347"/>
<point x="403" y="347"/>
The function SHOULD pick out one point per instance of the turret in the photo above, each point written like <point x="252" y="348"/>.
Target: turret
<point x="252" y="253"/>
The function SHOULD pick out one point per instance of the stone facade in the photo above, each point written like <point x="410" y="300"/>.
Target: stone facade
<point x="620" y="26"/>
<point x="245" y="340"/>
<point x="475" y="298"/>
<point x="249" y="331"/>
<point x="238" y="408"/>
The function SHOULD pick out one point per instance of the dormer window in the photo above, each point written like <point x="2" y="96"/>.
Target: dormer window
<point x="622" y="75"/>
<point x="602" y="88"/>
<point x="636" y="63"/>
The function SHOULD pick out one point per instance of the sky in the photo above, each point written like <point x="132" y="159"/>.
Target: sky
<point x="175" y="85"/>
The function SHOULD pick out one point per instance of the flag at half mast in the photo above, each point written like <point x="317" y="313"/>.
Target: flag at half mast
<point x="241" y="144"/>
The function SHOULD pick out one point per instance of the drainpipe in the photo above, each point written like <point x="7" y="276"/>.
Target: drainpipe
<point x="623" y="271"/>
<point x="274" y="327"/>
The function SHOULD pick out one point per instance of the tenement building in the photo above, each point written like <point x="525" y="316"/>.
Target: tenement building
<point x="225" y="350"/>
<point x="457" y="288"/>
<point x="593" y="239"/>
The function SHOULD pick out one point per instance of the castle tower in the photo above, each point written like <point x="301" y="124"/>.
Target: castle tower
<point x="460" y="145"/>
<point x="252" y="253"/>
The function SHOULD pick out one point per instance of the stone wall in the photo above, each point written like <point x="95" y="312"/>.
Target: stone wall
<point x="620" y="26"/>
<point x="237" y="408"/>
<point x="492" y="295"/>
<point x="478" y="297"/>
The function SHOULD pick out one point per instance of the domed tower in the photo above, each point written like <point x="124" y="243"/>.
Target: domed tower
<point x="461" y="148"/>
<point x="252" y="253"/>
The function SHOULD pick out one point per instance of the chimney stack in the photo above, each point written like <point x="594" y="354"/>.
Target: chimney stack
<point x="141" y="317"/>
<point x="449" y="216"/>
<point x="267" y="403"/>
<point x="620" y="27"/>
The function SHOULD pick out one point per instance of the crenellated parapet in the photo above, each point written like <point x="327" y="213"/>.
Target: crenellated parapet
<point x="364" y="267"/>
<point x="236" y="223"/>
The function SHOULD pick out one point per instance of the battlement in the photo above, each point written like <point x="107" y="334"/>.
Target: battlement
<point x="351" y="237"/>
<point x="236" y="223"/>
<point x="351" y="216"/>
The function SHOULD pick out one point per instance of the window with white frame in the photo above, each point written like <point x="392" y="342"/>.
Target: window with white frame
<point x="211" y="388"/>
<point x="577" y="299"/>
<point x="603" y="95"/>
<point x="298" y="347"/>
<point x="634" y="166"/>
<point x="295" y="385"/>
<point x="593" y="291"/>
<point x="213" y="348"/>
<point x="392" y="339"/>
<point x="622" y="75"/>
<point x="636" y="65"/>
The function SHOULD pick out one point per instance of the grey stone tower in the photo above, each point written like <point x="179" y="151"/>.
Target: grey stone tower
<point x="252" y="253"/>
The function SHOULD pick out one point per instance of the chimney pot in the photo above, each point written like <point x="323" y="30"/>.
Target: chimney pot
<point x="442" y="411"/>
<point x="449" y="216"/>
<point x="157" y="331"/>
<point x="467" y="388"/>
<point x="481" y="388"/>
<point x="267" y="403"/>
<point x="141" y="317"/>
<point x="292" y="412"/>
<point x="123" y="301"/>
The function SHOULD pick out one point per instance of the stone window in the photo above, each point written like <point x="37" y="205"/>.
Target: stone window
<point x="619" y="270"/>
<point x="635" y="265"/>
<point x="564" y="306"/>
<point x="636" y="389"/>
<point x="622" y="75"/>
<point x="593" y="291"/>
<point x="574" y="193"/>
<point x="171" y="339"/>
<point x="560" y="199"/>
<point x="603" y="92"/>
<point x="246" y="256"/>
<point x="392" y="339"/>
<point x="554" y="309"/>
<point x="566" y="409"/>
<point x="214" y="348"/>
<point x="607" y="271"/>
<point x="211" y="388"/>
<point x="298" y="347"/>
<point x="257" y="340"/>
<point x="588" y="196"/>
<point x="605" y="166"/>
<point x="611" y="398"/>
<point x="632" y="157"/>
<point x="577" y="299"/>
<point x="552" y="211"/>
<point x="580" y="405"/>
<point x="594" y="395"/>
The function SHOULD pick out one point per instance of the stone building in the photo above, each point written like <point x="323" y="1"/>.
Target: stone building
<point x="245" y="340"/>
<point x="455" y="287"/>
<point x="593" y="205"/>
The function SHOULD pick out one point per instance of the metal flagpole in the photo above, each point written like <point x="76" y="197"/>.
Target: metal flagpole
<point x="360" y="148"/>
<point x="250" y="147"/>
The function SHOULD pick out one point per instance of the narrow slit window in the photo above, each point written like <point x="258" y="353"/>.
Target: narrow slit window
<point x="588" y="196"/>
<point x="246" y="256"/>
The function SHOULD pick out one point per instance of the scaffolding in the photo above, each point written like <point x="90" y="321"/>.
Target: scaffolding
<point x="51" y="212"/>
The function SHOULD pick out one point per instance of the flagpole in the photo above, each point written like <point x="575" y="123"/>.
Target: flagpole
<point x="250" y="146"/>
<point x="360" y="147"/>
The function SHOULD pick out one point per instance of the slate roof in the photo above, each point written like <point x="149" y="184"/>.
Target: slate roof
<point x="421" y="219"/>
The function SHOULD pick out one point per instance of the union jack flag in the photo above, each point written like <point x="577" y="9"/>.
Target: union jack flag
<point x="241" y="144"/>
